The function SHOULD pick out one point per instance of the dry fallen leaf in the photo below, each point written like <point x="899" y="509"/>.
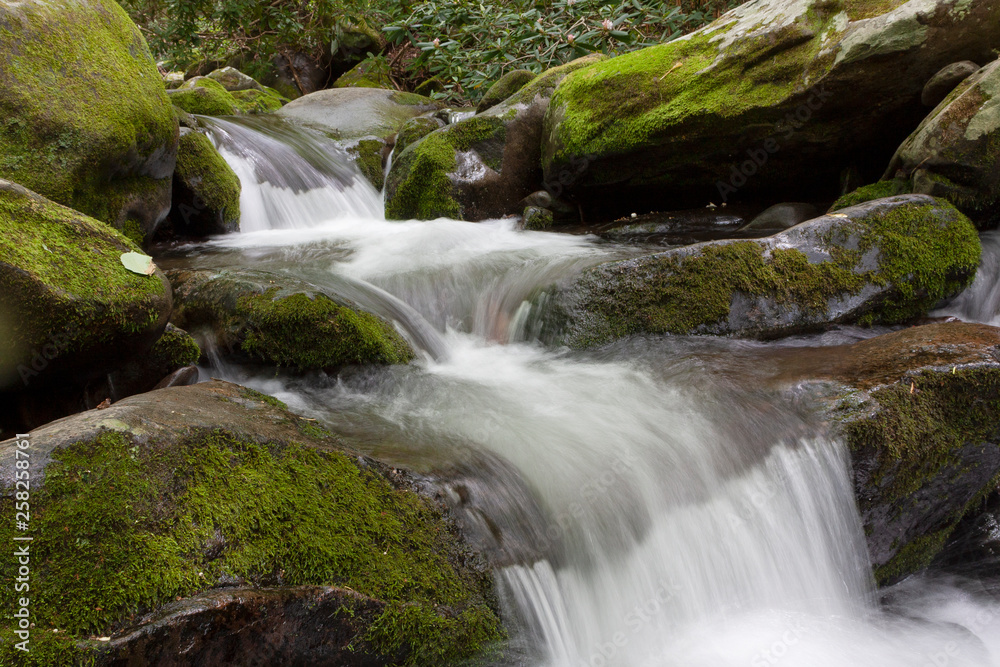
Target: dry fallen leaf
<point x="136" y="262"/>
<point x="105" y="404"/>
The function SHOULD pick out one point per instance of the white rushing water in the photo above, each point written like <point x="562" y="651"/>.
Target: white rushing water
<point x="643" y="515"/>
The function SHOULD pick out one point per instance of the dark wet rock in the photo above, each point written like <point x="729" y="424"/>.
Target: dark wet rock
<point x="296" y="74"/>
<point x="206" y="198"/>
<point x="505" y="86"/>
<point x="945" y="81"/>
<point x="783" y="216"/>
<point x="259" y="317"/>
<point x="918" y="410"/>
<point x="954" y="153"/>
<point x="144" y="510"/>
<point x="480" y="167"/>
<point x="351" y="113"/>
<point x="753" y="106"/>
<point x="882" y="262"/>
<point x="173" y="352"/>
<point x="86" y="121"/>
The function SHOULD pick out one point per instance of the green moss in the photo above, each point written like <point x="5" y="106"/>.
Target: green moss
<point x="206" y="97"/>
<point x="536" y="218"/>
<point x="132" y="230"/>
<point x="123" y="526"/>
<point x="368" y="157"/>
<point x="176" y="349"/>
<point x="916" y="431"/>
<point x="871" y="192"/>
<point x="866" y="9"/>
<point x="507" y="85"/>
<point x="64" y="273"/>
<point x="369" y="73"/>
<point x="80" y="97"/>
<point x="419" y="183"/>
<point x="413" y="131"/>
<point x="925" y="253"/>
<point x="306" y="333"/>
<point x="259" y="101"/>
<point x="202" y="169"/>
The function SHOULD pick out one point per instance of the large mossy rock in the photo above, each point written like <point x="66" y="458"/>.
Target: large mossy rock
<point x="209" y="97"/>
<point x="762" y="103"/>
<point x="955" y="153"/>
<point x="84" y="119"/>
<point x="68" y="307"/>
<point x="352" y="113"/>
<point x="199" y="493"/>
<point x="918" y="410"/>
<point x="259" y="317"/>
<point x="206" y="198"/>
<point x="886" y="261"/>
<point x="480" y="167"/>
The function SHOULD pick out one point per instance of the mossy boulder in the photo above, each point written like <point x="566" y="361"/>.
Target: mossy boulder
<point x="234" y="80"/>
<point x="68" y="307"/>
<point x="761" y="104"/>
<point x="259" y="317"/>
<point x="352" y="113"/>
<point x="505" y="86"/>
<point x="255" y="101"/>
<point x="371" y="73"/>
<point x="945" y="81"/>
<point x="480" y="167"/>
<point x="204" y="96"/>
<point x="918" y="410"/>
<point x="414" y="130"/>
<point x="886" y="261"/>
<point x="84" y="117"/>
<point x="206" y="198"/>
<point x="955" y="153"/>
<point x="187" y="497"/>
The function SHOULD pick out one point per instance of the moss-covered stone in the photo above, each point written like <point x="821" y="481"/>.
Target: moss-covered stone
<point x="955" y="153"/>
<point x="274" y="320"/>
<point x="535" y="218"/>
<point x="205" y="97"/>
<point x="353" y="113"/>
<point x="234" y="80"/>
<point x="124" y="524"/>
<point x="414" y="130"/>
<point x="69" y="304"/>
<point x="769" y="83"/>
<point x="255" y="101"/>
<point x="370" y="73"/>
<point x="420" y="182"/>
<point x="84" y="118"/>
<point x="507" y="85"/>
<point x="872" y="192"/>
<point x="206" y="198"/>
<point x="175" y="349"/>
<point x="367" y="155"/>
<point x="883" y="262"/>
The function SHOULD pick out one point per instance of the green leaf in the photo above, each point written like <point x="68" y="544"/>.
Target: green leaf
<point x="138" y="263"/>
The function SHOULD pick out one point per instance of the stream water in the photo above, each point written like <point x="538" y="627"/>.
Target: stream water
<point x="655" y="502"/>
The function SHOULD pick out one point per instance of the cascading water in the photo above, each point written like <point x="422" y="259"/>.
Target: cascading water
<point x="643" y="508"/>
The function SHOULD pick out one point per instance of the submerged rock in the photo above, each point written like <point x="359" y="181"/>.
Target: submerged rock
<point x="918" y="410"/>
<point x="761" y="103"/>
<point x="259" y="317"/>
<point x="85" y="118"/>
<point x="955" y="153"/>
<point x="210" y="522"/>
<point x="882" y="262"/>
<point x="480" y="167"/>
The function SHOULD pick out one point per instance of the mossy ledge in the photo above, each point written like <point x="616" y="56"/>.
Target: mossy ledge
<point x="272" y="319"/>
<point x="883" y="262"/>
<point x="931" y="436"/>
<point x="125" y="523"/>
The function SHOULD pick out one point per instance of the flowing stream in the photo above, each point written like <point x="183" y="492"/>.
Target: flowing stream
<point x="651" y="503"/>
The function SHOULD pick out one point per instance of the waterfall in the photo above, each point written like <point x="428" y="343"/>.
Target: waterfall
<point x="641" y="512"/>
